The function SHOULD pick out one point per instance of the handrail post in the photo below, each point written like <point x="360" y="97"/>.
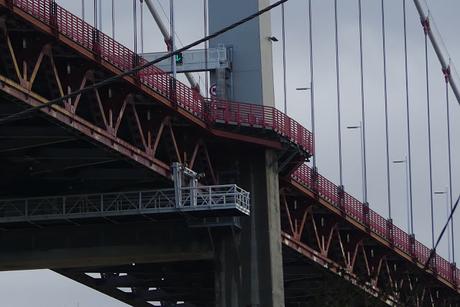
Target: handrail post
<point x="263" y="116"/>
<point x="210" y="196"/>
<point x="135" y="63"/>
<point x="453" y="273"/>
<point x="390" y="235"/>
<point x="96" y="43"/>
<point x="172" y="91"/>
<point x="341" y="198"/>
<point x="412" y="247"/>
<point x="433" y="263"/>
<point x="140" y="201"/>
<point x="366" y="216"/>
<point x="53" y="16"/>
<point x="238" y="113"/>
<point x="315" y="181"/>
<point x="102" y="203"/>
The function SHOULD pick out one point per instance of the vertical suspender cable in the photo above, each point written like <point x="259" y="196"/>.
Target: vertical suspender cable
<point x="206" y="46"/>
<point x="142" y="26"/>
<point x="95" y="14"/>
<point x="337" y="68"/>
<point x="449" y="153"/>
<point x="363" y="114"/>
<point x="100" y="15"/>
<point x="429" y="131"/>
<point x="83" y="9"/>
<point x="113" y="19"/>
<point x="385" y="89"/>
<point x="135" y="25"/>
<point x="312" y="87"/>
<point x="173" y="39"/>
<point x="409" y="160"/>
<point x="283" y="30"/>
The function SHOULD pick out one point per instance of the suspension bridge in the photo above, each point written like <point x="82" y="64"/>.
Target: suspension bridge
<point x="127" y="180"/>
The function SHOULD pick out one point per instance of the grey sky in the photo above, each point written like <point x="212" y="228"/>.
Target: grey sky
<point x="44" y="288"/>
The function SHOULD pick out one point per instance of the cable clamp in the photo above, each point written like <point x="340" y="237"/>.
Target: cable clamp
<point x="426" y="25"/>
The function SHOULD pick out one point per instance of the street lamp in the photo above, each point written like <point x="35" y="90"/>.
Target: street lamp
<point x="363" y="164"/>
<point x="409" y="213"/>
<point x="446" y="194"/>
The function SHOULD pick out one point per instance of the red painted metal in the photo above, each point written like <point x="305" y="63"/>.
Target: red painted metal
<point x="354" y="209"/>
<point x="235" y="114"/>
<point x="211" y="111"/>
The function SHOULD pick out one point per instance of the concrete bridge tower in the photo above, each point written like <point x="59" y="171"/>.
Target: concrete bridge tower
<point x="252" y="273"/>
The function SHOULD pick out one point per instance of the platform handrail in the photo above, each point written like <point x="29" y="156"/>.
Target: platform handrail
<point x="131" y="202"/>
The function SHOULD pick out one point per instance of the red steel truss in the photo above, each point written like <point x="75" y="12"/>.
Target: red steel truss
<point x="183" y="97"/>
<point x="366" y="224"/>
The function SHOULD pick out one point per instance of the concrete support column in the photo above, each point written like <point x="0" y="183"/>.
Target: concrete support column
<point x="249" y="266"/>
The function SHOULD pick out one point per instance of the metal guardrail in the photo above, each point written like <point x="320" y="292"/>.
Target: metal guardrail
<point x="377" y="224"/>
<point x="204" y="198"/>
<point x="86" y="36"/>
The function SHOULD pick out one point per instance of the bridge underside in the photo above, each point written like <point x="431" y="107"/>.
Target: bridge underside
<point x="41" y="157"/>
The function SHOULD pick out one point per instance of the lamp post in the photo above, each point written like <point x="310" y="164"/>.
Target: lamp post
<point x="449" y="248"/>
<point x="363" y="164"/>
<point x="410" y="227"/>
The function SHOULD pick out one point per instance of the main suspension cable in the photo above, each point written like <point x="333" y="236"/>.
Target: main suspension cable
<point x="137" y="69"/>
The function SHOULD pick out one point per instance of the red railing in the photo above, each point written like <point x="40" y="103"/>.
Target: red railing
<point x="212" y="111"/>
<point x="377" y="224"/>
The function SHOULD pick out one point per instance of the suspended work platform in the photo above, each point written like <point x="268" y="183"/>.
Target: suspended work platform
<point x="222" y="200"/>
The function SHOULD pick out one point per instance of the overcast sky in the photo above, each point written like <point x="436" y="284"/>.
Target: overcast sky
<point x="44" y="288"/>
